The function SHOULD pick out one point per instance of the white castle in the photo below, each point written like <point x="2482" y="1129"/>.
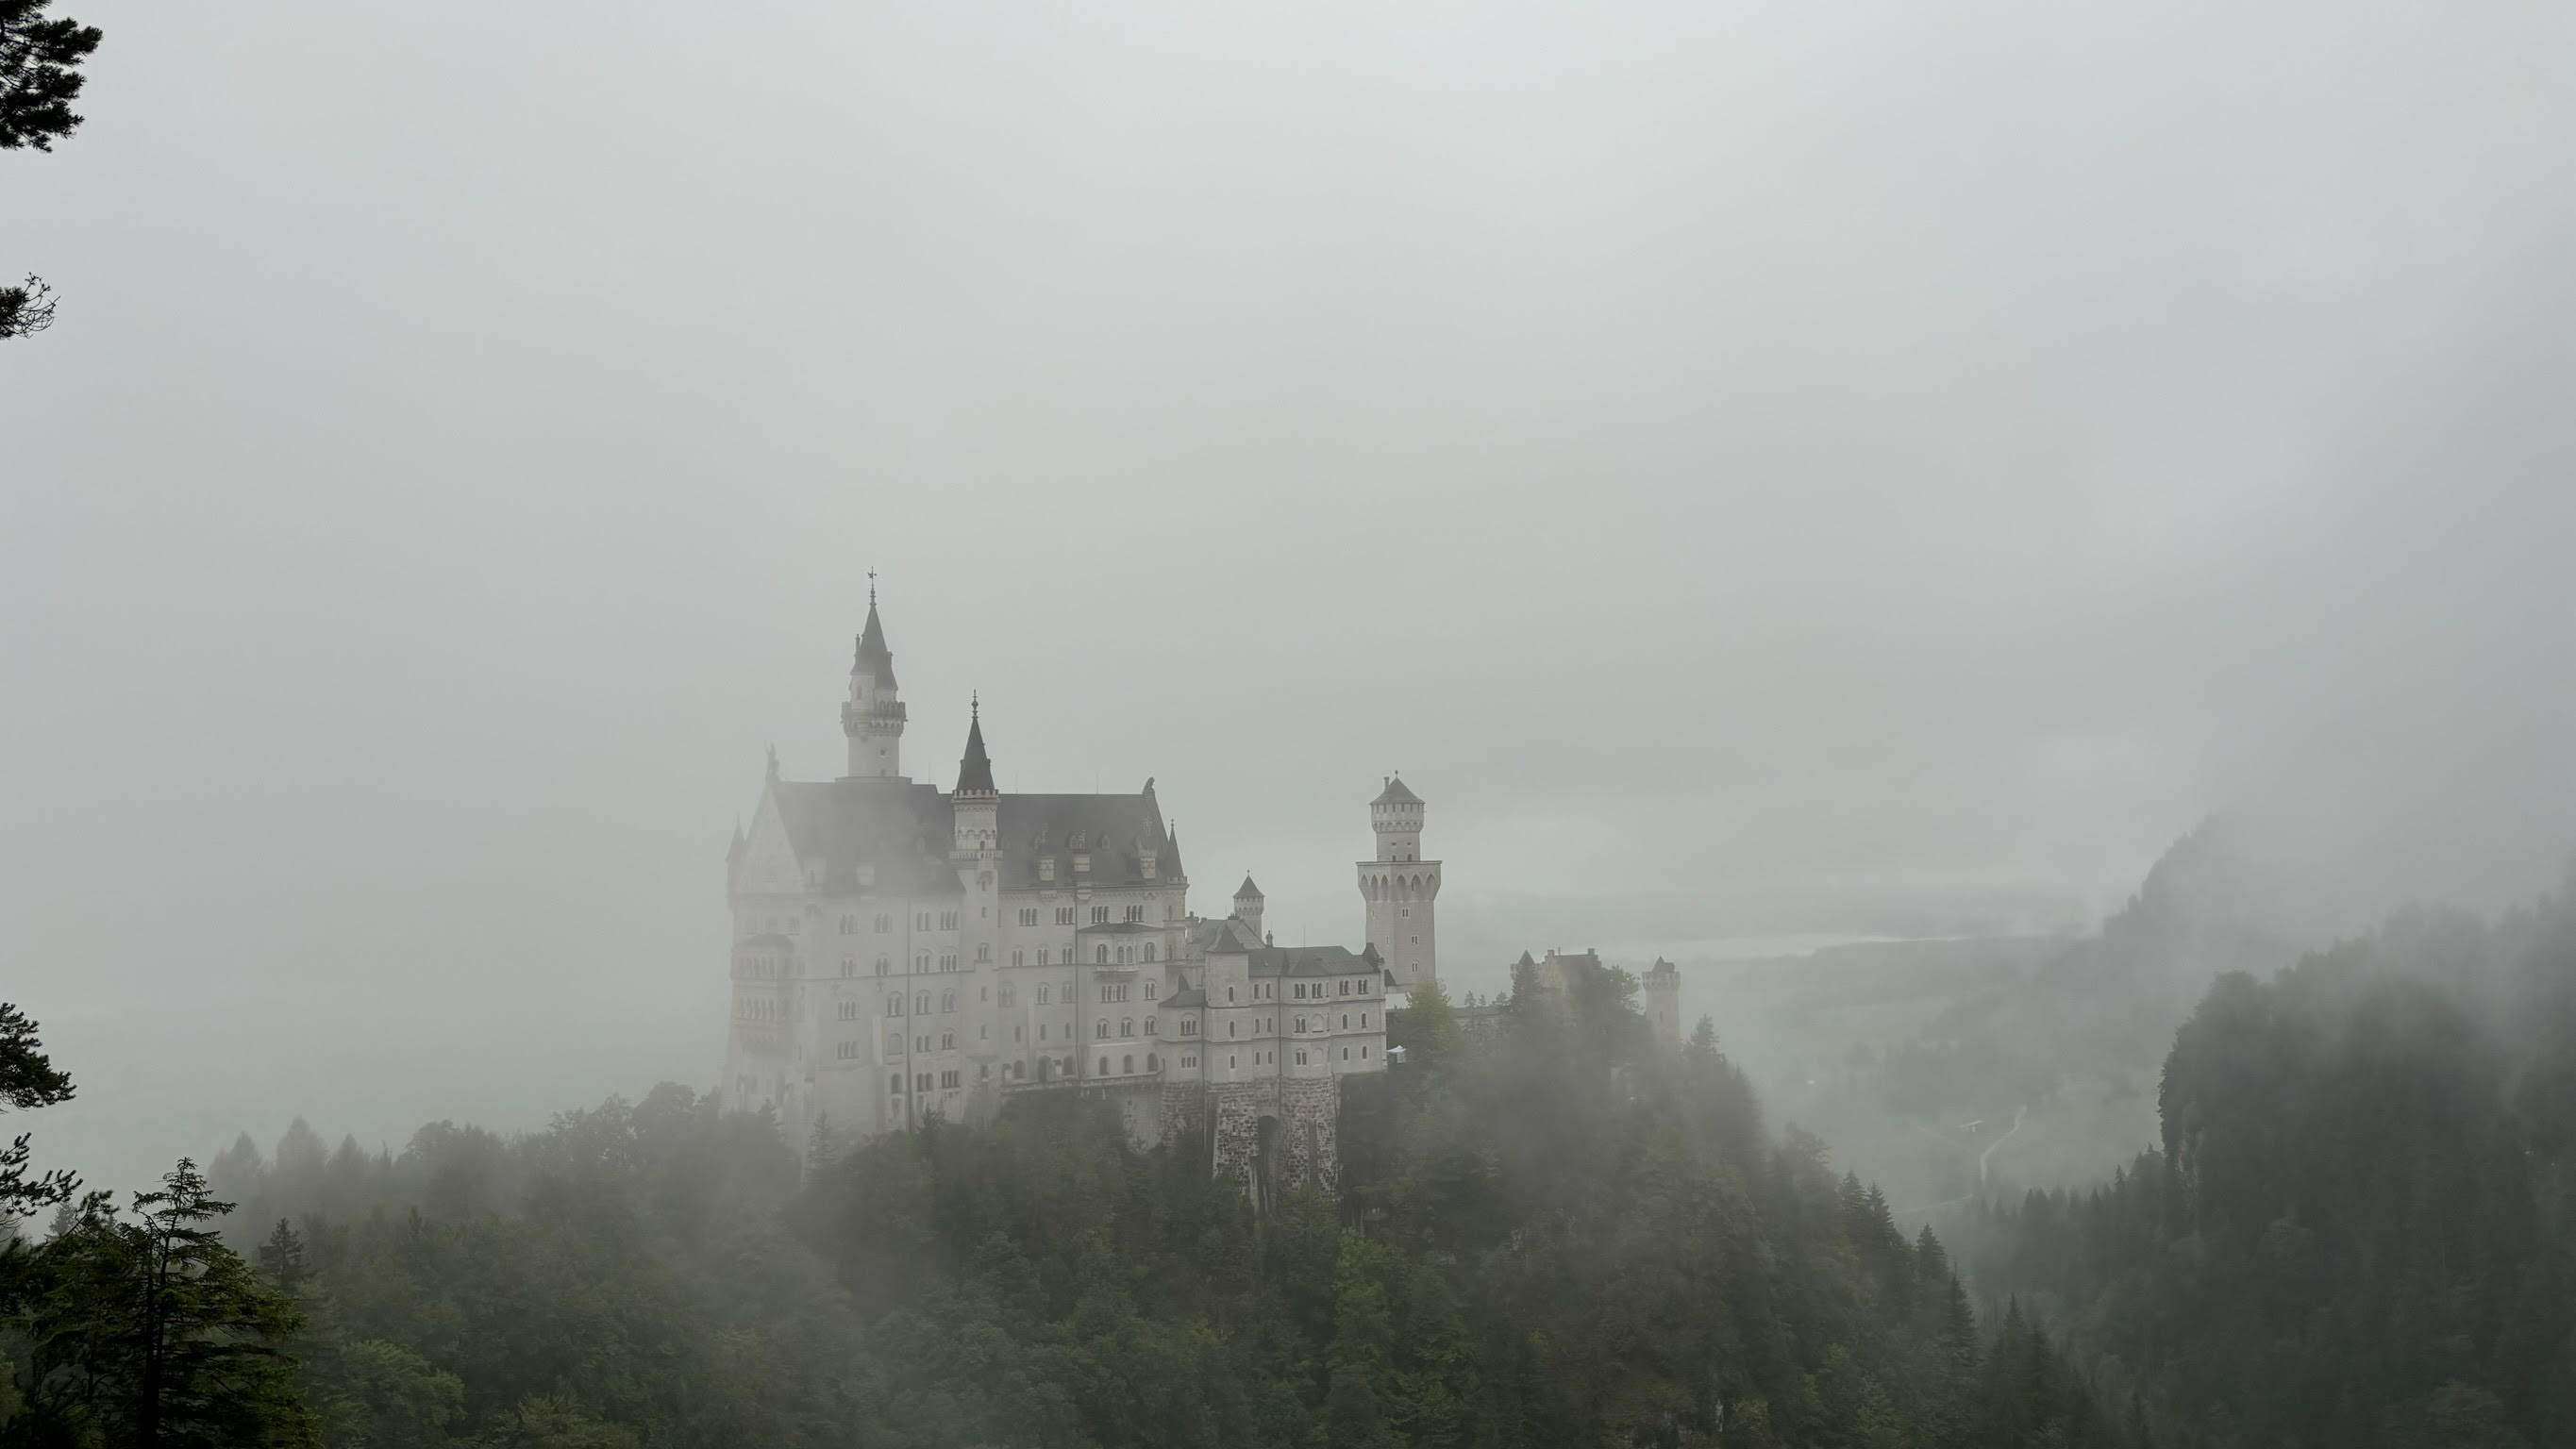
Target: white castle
<point x="900" y="951"/>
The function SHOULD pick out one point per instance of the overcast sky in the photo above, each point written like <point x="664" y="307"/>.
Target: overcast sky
<point x="1725" y="455"/>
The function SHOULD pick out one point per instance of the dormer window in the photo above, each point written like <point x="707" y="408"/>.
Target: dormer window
<point x="1046" y="867"/>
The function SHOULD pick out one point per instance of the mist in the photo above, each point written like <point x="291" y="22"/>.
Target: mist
<point x="1754" y="471"/>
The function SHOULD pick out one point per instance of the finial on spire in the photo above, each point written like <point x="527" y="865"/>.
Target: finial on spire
<point x="872" y="588"/>
<point x="773" y="761"/>
<point x="975" y="702"/>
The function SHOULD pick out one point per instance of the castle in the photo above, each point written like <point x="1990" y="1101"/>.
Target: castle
<point x="900" y="952"/>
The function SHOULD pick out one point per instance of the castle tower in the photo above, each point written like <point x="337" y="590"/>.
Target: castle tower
<point x="1664" y="1001"/>
<point x="1247" y="905"/>
<point x="873" y="718"/>
<point x="975" y="849"/>
<point x="1399" y="887"/>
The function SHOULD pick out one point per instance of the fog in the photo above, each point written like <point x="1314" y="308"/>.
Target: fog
<point x="1753" y="469"/>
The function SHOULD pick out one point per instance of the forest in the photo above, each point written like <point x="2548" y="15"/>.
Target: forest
<point x="2358" y="1229"/>
<point x="1557" y="1233"/>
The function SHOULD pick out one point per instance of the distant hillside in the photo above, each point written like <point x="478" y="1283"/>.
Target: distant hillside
<point x="2358" y="1230"/>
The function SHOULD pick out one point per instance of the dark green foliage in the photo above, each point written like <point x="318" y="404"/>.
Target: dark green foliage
<point x="1563" y="1235"/>
<point x="146" y="1330"/>
<point x="40" y="75"/>
<point x="2359" y="1229"/>
<point x="28" y="1079"/>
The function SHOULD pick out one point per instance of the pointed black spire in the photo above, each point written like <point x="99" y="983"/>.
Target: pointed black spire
<point x="975" y="771"/>
<point x="874" y="657"/>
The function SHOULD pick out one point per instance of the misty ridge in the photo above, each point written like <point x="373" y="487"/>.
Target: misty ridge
<point x="1315" y="727"/>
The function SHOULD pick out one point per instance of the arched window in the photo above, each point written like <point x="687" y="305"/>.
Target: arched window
<point x="1100" y="955"/>
<point x="1127" y="1064"/>
<point x="1189" y="1026"/>
<point x="882" y="965"/>
<point x="1102" y="1031"/>
<point x="849" y="925"/>
<point x="1149" y="951"/>
<point x="1104" y="1066"/>
<point x="1149" y="1026"/>
<point x="1229" y="993"/>
<point x="921" y="1004"/>
<point x="983" y="953"/>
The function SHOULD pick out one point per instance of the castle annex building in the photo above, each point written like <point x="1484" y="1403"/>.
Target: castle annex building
<point x="900" y="950"/>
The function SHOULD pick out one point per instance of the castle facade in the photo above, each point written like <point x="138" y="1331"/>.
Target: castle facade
<point x="901" y="951"/>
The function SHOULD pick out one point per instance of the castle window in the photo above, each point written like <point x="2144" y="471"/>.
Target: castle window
<point x="1019" y="957"/>
<point x="948" y="1001"/>
<point x="1127" y="1026"/>
<point x="1104" y="1066"/>
<point x="1010" y="994"/>
<point x="849" y="925"/>
<point x="1042" y="1031"/>
<point x="894" y="1006"/>
<point x="1229" y="993"/>
<point x="1149" y="951"/>
<point x="849" y="1049"/>
<point x="1153" y="1063"/>
<point x="1301" y="1059"/>
<point x="882" y="965"/>
<point x="1100" y="915"/>
<point x="948" y="962"/>
<point x="1127" y="1064"/>
<point x="948" y="1041"/>
<point x="1064" y="915"/>
<point x="921" y="921"/>
<point x="983" y="953"/>
<point x="1346" y="1054"/>
<point x="921" y="1004"/>
<point x="921" y="963"/>
<point x="1028" y="915"/>
<point x="1363" y="1053"/>
<point x="1346" y="989"/>
<point x="948" y="920"/>
<point x="1301" y="1023"/>
<point x="1189" y="1061"/>
<point x="894" y="1084"/>
<point x="1363" y="1021"/>
<point x="1042" y="996"/>
<point x="1189" y="1026"/>
<point x="1229" y="1028"/>
<point x="922" y="1082"/>
<point x="983" y="1071"/>
<point x="884" y="922"/>
<point x="894" y="1044"/>
<point x="1149" y="1025"/>
<point x="1103" y="1030"/>
<point x="948" y="1079"/>
<point x="1100" y="955"/>
<point x="1346" y="1021"/>
<point x="1136" y="914"/>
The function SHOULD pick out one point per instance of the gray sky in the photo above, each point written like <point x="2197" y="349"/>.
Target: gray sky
<point x="1746" y="464"/>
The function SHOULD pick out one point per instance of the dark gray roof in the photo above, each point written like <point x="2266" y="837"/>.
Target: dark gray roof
<point x="1110" y="828"/>
<point x="874" y="657"/>
<point x="1191" y="997"/>
<point x="1663" y="967"/>
<point x="1396" y="794"/>
<point x="1247" y="890"/>
<point x="905" y="829"/>
<point x="975" y="770"/>
<point x="901" y="829"/>
<point x="1227" y="937"/>
<point x="1311" y="961"/>
<point x="1117" y="928"/>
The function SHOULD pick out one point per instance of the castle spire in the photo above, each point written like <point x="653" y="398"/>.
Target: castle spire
<point x="975" y="770"/>
<point x="874" y="716"/>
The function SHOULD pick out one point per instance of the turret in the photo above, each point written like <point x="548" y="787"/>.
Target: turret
<point x="1664" y="1001"/>
<point x="1399" y="887"/>
<point x="1247" y="905"/>
<point x="874" y="716"/>
<point x="975" y="803"/>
